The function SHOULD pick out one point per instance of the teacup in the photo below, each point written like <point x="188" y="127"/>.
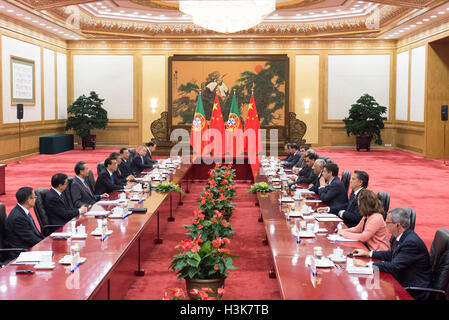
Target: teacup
<point x="338" y="253"/>
<point x="81" y="229"/>
<point x="318" y="251"/>
<point x="46" y="258"/>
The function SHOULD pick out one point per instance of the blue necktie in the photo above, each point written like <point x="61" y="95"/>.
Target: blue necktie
<point x="32" y="222"/>
<point x="112" y="178"/>
<point x="142" y="159"/>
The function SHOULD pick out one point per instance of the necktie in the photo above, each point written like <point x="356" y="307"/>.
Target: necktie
<point x="87" y="187"/>
<point x="112" y="178"/>
<point x="32" y="222"/>
<point x="62" y="198"/>
<point x="142" y="159"/>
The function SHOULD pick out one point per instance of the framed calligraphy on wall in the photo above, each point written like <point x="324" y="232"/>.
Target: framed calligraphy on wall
<point x="22" y="81"/>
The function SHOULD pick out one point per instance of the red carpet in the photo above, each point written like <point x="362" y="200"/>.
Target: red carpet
<point x="250" y="281"/>
<point x="411" y="180"/>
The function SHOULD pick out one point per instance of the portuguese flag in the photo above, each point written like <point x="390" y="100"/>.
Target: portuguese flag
<point x="198" y="127"/>
<point x="234" y="129"/>
<point x="216" y="122"/>
<point x="252" y="123"/>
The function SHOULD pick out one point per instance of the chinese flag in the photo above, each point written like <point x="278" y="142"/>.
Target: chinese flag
<point x="198" y="127"/>
<point x="252" y="123"/>
<point x="216" y="122"/>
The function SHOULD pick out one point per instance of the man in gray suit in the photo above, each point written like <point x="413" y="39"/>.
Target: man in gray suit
<point x="81" y="192"/>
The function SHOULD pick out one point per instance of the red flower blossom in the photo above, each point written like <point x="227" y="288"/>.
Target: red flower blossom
<point x="216" y="267"/>
<point x="220" y="291"/>
<point x="224" y="223"/>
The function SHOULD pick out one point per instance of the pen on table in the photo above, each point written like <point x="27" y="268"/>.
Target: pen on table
<point x="105" y="237"/>
<point x="77" y="266"/>
<point x="311" y="270"/>
<point x="127" y="216"/>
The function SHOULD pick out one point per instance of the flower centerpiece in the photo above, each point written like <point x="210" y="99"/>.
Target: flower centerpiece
<point x="210" y="203"/>
<point x="203" y="294"/>
<point x="221" y="181"/>
<point x="261" y="187"/>
<point x="217" y="226"/>
<point x="203" y="264"/>
<point x="168" y="186"/>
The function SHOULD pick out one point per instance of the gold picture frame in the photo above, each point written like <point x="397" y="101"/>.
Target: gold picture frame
<point x="23" y="81"/>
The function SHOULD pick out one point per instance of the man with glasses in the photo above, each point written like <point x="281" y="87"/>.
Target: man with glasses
<point x="20" y="228"/>
<point x="408" y="260"/>
<point x="81" y="192"/>
<point x="57" y="210"/>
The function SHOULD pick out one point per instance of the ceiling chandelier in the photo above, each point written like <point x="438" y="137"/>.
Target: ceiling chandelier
<point x="227" y="16"/>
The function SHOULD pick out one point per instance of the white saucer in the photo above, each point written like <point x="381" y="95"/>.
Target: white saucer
<point x="49" y="266"/>
<point x="67" y="259"/>
<point x="337" y="259"/>
<point x="277" y="187"/>
<point x="97" y="232"/>
<point x="324" y="263"/>
<point x="79" y="236"/>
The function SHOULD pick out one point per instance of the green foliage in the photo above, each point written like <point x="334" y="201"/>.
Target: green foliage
<point x="261" y="187"/>
<point x="167" y="186"/>
<point x="365" y="118"/>
<point x="86" y="114"/>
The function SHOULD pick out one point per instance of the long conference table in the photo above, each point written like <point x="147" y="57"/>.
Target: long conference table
<point x="113" y="264"/>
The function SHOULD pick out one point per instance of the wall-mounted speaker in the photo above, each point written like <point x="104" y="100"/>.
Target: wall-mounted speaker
<point x="444" y="112"/>
<point x="20" y="111"/>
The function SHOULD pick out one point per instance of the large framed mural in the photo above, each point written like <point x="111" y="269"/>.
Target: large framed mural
<point x="267" y="75"/>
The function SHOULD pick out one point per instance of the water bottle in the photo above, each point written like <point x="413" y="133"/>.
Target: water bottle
<point x="316" y="227"/>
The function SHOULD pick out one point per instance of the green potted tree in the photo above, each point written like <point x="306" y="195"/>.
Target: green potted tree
<point x="86" y="114"/>
<point x="365" y="121"/>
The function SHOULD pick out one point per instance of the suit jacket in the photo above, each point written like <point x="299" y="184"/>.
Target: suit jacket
<point x="137" y="166"/>
<point x="19" y="231"/>
<point x="149" y="158"/>
<point x="104" y="183"/>
<point x="408" y="261"/>
<point x="316" y="183"/>
<point x="334" y="194"/>
<point x="293" y="160"/>
<point x="81" y="195"/>
<point x="125" y="168"/>
<point x="57" y="211"/>
<point x="288" y="158"/>
<point x="299" y="163"/>
<point x="351" y="216"/>
<point x="306" y="175"/>
<point x="119" y="177"/>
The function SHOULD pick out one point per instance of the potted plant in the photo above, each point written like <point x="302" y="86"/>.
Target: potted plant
<point x="217" y="226"/>
<point x="86" y="114"/>
<point x="203" y="264"/>
<point x="261" y="187"/>
<point x="365" y="121"/>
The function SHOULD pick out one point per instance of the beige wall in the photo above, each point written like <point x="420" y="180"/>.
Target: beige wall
<point x="154" y="83"/>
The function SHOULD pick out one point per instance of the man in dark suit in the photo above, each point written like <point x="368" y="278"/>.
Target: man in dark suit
<point x="301" y="163"/>
<point x="350" y="213"/>
<point x="317" y="168"/>
<point x="106" y="182"/>
<point x="139" y="164"/>
<point x="125" y="163"/>
<point x="331" y="189"/>
<point x="57" y="210"/>
<point x="149" y="150"/>
<point x="81" y="191"/>
<point x="287" y="151"/>
<point x="307" y="175"/>
<point x="20" y="229"/>
<point x="122" y="177"/>
<point x="408" y="260"/>
<point x="294" y="158"/>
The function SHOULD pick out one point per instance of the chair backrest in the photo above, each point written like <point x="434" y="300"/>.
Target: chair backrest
<point x="439" y="259"/>
<point x="39" y="207"/>
<point x="100" y="167"/>
<point x="384" y="198"/>
<point x="68" y="194"/>
<point x="2" y="225"/>
<point x="91" y="179"/>
<point x="345" y="179"/>
<point x="132" y="154"/>
<point x="412" y="215"/>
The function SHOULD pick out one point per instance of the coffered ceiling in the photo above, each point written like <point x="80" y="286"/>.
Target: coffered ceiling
<point x="161" y="19"/>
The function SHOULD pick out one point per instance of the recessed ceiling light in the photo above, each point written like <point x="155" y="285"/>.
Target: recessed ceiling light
<point x="298" y="14"/>
<point x="99" y="3"/>
<point x="352" y="9"/>
<point x="20" y="14"/>
<point x="229" y="39"/>
<point x="356" y="5"/>
<point x="275" y="15"/>
<point x="401" y="31"/>
<point x="27" y="18"/>
<point x="55" y="29"/>
<point x="10" y="10"/>
<point x="135" y="12"/>
<point x="441" y="12"/>
<point x="324" y="11"/>
<point x="42" y="24"/>
<point x="425" y="20"/>
<point x="311" y="12"/>
<point x="66" y="34"/>
<point x="149" y="14"/>
<point x="419" y="22"/>
<point x="104" y="7"/>
<point x="164" y="39"/>
<point x="161" y="15"/>
<point x="433" y="17"/>
<point x="413" y="26"/>
<point x="1" y="7"/>
<point x="49" y="27"/>
<point x="338" y="10"/>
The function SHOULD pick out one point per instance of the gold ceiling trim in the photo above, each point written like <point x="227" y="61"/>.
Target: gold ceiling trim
<point x="161" y="4"/>
<point x="405" y="3"/>
<point x="50" y="4"/>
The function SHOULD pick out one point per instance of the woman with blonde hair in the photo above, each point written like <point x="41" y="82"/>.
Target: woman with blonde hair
<point x="372" y="229"/>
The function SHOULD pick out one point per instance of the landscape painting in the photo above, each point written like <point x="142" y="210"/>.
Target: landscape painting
<point x="266" y="76"/>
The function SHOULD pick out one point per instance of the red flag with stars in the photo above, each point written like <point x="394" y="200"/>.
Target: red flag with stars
<point x="216" y="122"/>
<point x="252" y="123"/>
